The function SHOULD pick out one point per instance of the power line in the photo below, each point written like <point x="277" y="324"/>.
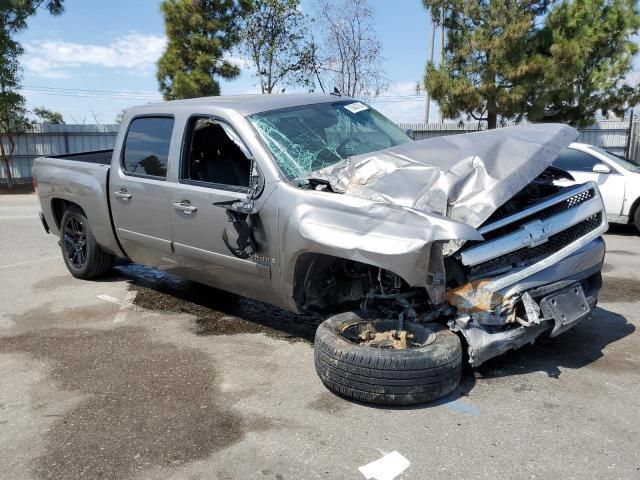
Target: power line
<point x="140" y="92"/>
<point x="86" y="93"/>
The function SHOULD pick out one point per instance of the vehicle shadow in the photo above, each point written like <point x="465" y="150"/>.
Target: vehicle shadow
<point x="215" y="312"/>
<point x="621" y="229"/>
<point x="580" y="346"/>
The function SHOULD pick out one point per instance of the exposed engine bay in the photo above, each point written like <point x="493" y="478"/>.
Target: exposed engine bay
<point x="456" y="290"/>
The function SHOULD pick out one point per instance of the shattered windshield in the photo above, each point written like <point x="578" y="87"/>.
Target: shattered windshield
<point x="306" y="138"/>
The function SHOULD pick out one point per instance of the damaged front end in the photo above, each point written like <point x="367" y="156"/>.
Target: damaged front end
<point x="535" y="269"/>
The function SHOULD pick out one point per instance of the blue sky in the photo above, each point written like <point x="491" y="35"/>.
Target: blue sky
<point x="112" y="47"/>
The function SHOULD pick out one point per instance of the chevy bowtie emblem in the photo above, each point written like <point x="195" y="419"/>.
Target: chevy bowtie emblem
<point x="535" y="234"/>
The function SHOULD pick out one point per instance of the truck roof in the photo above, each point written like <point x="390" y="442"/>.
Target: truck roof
<point x="245" y="104"/>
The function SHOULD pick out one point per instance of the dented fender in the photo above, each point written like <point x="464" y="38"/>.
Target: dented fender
<point x="391" y="237"/>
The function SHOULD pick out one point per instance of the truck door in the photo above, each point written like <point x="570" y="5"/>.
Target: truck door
<point x="140" y="198"/>
<point x="215" y="171"/>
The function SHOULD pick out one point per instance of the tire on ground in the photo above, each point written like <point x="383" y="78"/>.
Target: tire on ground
<point x="636" y="218"/>
<point x="98" y="262"/>
<point x="386" y="376"/>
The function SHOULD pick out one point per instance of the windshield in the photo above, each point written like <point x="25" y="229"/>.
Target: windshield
<point x="306" y="138"/>
<point x="623" y="162"/>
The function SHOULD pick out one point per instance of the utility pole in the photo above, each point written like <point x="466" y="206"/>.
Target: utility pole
<point x="427" y="97"/>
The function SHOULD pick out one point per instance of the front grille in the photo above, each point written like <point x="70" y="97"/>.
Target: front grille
<point x="528" y="255"/>
<point x="520" y="243"/>
<point x="566" y="204"/>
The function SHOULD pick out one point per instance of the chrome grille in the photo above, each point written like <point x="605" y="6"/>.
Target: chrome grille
<point x="550" y="211"/>
<point x="526" y="256"/>
<point x="552" y="227"/>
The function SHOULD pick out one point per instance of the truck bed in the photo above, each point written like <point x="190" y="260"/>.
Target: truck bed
<point x="101" y="157"/>
<point x="81" y="179"/>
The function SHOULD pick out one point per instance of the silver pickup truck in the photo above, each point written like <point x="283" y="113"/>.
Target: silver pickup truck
<point x="318" y="202"/>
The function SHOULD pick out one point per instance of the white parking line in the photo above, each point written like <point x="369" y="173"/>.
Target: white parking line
<point x="125" y="304"/>
<point x="18" y="217"/>
<point x="47" y="259"/>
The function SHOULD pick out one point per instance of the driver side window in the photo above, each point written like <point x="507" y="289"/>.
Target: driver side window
<point x="212" y="158"/>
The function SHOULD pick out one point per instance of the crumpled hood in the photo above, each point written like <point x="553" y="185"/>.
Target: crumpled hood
<point x="464" y="177"/>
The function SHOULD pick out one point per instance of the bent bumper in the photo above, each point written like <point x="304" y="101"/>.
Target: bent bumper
<point x="530" y="302"/>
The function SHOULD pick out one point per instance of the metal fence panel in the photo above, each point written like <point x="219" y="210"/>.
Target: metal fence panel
<point x="44" y="140"/>
<point x="621" y="137"/>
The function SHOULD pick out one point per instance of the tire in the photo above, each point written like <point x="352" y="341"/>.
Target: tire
<point x="636" y="218"/>
<point x="385" y="376"/>
<point x="81" y="253"/>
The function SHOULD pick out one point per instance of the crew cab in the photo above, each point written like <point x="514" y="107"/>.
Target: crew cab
<point x="318" y="202"/>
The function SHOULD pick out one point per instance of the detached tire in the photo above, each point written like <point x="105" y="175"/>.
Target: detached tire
<point x="82" y="254"/>
<point x="385" y="376"/>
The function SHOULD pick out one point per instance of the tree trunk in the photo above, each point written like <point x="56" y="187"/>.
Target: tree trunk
<point x="8" y="172"/>
<point x="5" y="160"/>
<point x="492" y="115"/>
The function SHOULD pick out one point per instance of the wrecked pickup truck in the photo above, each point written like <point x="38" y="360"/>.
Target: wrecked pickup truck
<point x="318" y="202"/>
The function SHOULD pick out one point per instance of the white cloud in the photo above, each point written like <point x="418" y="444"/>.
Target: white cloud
<point x="133" y="52"/>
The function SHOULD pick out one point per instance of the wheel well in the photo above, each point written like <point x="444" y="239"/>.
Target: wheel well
<point x="326" y="282"/>
<point x="59" y="206"/>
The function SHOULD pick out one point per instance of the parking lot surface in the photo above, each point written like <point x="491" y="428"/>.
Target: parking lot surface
<point x="141" y="375"/>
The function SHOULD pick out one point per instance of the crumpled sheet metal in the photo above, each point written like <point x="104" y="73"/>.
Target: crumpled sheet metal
<point x="387" y="236"/>
<point x="464" y="177"/>
<point x="485" y="344"/>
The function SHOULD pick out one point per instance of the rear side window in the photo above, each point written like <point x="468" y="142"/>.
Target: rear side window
<point x="575" y="161"/>
<point x="146" y="148"/>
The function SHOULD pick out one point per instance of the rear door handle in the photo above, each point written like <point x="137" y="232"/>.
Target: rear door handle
<point x="123" y="195"/>
<point x="185" y="207"/>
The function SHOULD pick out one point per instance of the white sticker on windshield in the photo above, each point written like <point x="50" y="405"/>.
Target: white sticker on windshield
<point x="356" y="107"/>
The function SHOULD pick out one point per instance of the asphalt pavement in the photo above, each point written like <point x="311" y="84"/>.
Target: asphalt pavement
<point x="144" y="376"/>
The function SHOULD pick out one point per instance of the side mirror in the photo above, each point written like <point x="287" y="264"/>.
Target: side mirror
<point x="601" y="168"/>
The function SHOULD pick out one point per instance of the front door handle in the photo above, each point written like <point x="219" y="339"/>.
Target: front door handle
<point x="122" y="194"/>
<point x="185" y="207"/>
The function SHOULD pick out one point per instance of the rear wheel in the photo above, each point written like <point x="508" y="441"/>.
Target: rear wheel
<point x="369" y="360"/>
<point x="82" y="254"/>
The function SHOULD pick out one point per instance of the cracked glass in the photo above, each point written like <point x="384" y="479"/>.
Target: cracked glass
<point x="306" y="138"/>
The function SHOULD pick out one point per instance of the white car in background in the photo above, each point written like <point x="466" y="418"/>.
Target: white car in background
<point x="617" y="178"/>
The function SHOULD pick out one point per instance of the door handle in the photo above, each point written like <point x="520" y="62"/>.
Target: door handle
<point x="185" y="207"/>
<point x="122" y="194"/>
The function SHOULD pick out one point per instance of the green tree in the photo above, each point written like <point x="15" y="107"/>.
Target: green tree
<point x="48" y="116"/>
<point x="589" y="49"/>
<point x="275" y="38"/>
<point x="13" y="115"/>
<point x="489" y="64"/>
<point x="543" y="60"/>
<point x="200" y="33"/>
